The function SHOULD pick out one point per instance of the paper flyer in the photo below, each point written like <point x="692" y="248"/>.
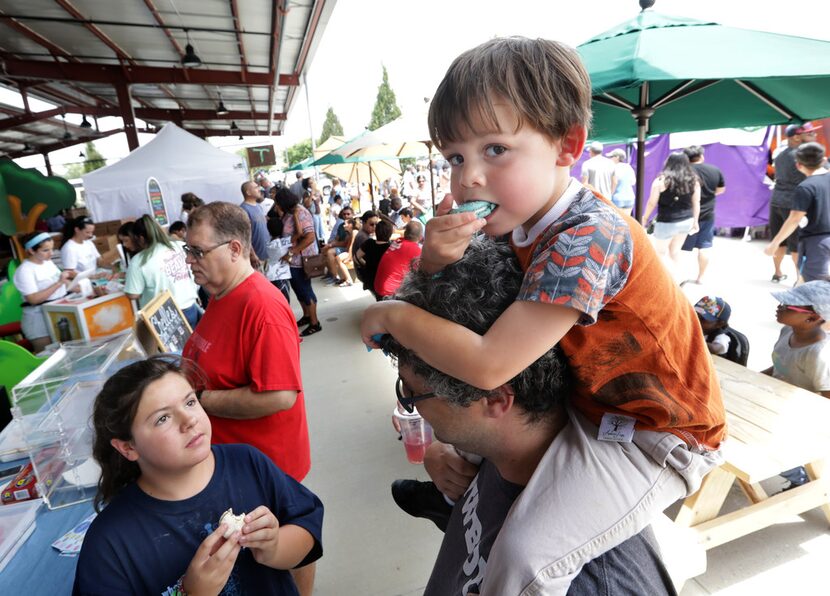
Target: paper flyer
<point x="70" y="543"/>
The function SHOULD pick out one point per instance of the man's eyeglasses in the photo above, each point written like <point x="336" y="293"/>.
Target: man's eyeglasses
<point x="801" y="309"/>
<point x="199" y="253"/>
<point x="408" y="403"/>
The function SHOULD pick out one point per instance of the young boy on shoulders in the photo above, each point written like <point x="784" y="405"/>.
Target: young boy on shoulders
<point x="511" y="117"/>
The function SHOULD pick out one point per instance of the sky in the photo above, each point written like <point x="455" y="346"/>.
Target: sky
<point x="417" y="41"/>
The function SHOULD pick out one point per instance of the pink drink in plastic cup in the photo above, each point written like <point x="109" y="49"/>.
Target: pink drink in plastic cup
<point x="416" y="433"/>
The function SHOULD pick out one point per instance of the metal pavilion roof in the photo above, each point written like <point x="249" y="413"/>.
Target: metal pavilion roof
<point x="124" y="58"/>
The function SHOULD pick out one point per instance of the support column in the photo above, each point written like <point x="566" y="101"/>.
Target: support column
<point x="48" y="164"/>
<point x="125" y="104"/>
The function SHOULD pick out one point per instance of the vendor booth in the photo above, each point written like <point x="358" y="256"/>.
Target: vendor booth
<point x="153" y="178"/>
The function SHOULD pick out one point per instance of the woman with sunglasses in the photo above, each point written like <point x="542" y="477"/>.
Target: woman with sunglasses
<point x="160" y="265"/>
<point x="38" y="280"/>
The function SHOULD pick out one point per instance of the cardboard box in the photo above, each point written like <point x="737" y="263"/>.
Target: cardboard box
<point x="105" y="243"/>
<point x="108" y="228"/>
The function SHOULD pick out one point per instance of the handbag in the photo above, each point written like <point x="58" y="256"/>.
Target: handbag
<point x="314" y="266"/>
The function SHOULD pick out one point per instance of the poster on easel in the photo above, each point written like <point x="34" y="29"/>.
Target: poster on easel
<point x="161" y="325"/>
<point x="157" y="207"/>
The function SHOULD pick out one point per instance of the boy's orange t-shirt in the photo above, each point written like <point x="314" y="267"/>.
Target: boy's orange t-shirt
<point x="638" y="349"/>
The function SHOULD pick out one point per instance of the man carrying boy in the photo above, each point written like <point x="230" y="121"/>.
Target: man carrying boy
<point x="511" y="117"/>
<point x="711" y="185"/>
<point x="811" y="199"/>
<point x="519" y="429"/>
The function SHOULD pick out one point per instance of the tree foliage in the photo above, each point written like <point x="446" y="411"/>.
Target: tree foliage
<point x="386" y="108"/>
<point x="94" y="160"/>
<point x="298" y="152"/>
<point x="331" y="127"/>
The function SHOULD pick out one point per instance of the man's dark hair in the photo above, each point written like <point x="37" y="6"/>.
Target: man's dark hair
<point x="406" y="211"/>
<point x="810" y="155"/>
<point x="367" y="216"/>
<point x="175" y="227"/>
<point x="694" y="152"/>
<point x="474" y="292"/>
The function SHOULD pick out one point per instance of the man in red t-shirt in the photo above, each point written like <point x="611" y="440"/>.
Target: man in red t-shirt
<point x="248" y="347"/>
<point x="397" y="260"/>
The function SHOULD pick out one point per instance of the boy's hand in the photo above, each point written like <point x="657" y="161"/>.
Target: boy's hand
<point x="212" y="564"/>
<point x="374" y="321"/>
<point x="447" y="237"/>
<point x="261" y="534"/>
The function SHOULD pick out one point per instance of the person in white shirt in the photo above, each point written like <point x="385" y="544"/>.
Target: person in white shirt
<point x="38" y="280"/>
<point x="598" y="171"/>
<point x="158" y="267"/>
<point x="278" y="271"/>
<point x="78" y="252"/>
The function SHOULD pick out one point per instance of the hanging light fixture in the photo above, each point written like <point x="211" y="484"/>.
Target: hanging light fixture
<point x="221" y="110"/>
<point x="66" y="134"/>
<point x="240" y="138"/>
<point x="234" y="126"/>
<point x="85" y="123"/>
<point x="82" y="155"/>
<point x="190" y="59"/>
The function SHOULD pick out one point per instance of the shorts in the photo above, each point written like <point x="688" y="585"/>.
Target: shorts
<point x="301" y="284"/>
<point x="777" y="217"/>
<point x="666" y="230"/>
<point x="704" y="236"/>
<point x="33" y="323"/>
<point x="814" y="258"/>
<point x="283" y="285"/>
<point x="339" y="250"/>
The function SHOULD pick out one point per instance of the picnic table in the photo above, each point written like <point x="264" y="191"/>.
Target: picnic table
<point x="773" y="426"/>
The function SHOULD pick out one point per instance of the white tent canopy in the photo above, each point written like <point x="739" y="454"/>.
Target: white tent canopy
<point x="179" y="161"/>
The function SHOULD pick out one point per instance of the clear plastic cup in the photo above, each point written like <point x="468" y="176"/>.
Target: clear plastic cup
<point x="415" y="432"/>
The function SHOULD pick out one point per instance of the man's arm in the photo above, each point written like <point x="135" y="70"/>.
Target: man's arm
<point x="720" y="190"/>
<point x="789" y="226"/>
<point x="522" y="333"/>
<point x="245" y="404"/>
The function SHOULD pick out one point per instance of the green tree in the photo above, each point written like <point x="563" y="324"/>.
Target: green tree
<point x="94" y="160"/>
<point x="331" y="127"/>
<point x="73" y="170"/>
<point x="386" y="108"/>
<point x="298" y="152"/>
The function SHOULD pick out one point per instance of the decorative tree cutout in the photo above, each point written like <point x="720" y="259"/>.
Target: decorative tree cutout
<point x="26" y="195"/>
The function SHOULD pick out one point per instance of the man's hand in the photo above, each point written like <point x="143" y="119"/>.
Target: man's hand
<point x="375" y="320"/>
<point x="210" y="568"/>
<point x="447" y="236"/>
<point x="770" y="249"/>
<point x="261" y="534"/>
<point x="695" y="229"/>
<point x="450" y="472"/>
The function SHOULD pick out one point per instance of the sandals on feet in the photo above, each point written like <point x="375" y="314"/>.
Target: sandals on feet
<point x="311" y="330"/>
<point x="345" y="284"/>
<point x="777" y="278"/>
<point x="303" y="321"/>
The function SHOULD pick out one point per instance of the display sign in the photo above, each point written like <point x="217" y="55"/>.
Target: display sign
<point x="157" y="206"/>
<point x="261" y="156"/>
<point x="165" y="323"/>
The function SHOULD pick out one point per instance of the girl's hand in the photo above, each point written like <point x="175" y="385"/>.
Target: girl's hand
<point x="212" y="564"/>
<point x="66" y="277"/>
<point x="261" y="534"/>
<point x="447" y="237"/>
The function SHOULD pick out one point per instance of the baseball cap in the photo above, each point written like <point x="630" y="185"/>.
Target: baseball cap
<point x="713" y="308"/>
<point x="812" y="293"/>
<point x="616" y="153"/>
<point x="798" y="129"/>
<point x="596" y="147"/>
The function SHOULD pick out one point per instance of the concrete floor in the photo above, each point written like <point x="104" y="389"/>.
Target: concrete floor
<point x="373" y="548"/>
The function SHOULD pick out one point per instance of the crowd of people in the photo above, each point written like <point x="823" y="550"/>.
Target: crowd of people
<point x="547" y="352"/>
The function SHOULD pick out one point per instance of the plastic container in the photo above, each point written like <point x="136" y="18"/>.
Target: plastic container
<point x="416" y="434"/>
<point x="53" y="406"/>
<point x="17" y="522"/>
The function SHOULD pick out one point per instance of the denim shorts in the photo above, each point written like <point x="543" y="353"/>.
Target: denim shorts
<point x="666" y="230"/>
<point x="704" y="236"/>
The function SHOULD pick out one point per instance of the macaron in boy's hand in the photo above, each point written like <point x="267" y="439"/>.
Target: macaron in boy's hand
<point x="481" y="209"/>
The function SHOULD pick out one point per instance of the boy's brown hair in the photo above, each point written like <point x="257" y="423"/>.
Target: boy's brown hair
<point x="543" y="80"/>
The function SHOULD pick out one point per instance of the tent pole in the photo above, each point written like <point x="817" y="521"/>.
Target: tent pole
<point x="371" y="185"/>
<point x="642" y="114"/>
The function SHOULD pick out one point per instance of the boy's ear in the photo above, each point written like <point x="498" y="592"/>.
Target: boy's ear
<point x="125" y="448"/>
<point x="571" y="145"/>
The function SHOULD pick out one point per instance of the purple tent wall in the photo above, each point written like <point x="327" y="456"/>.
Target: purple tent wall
<point x="746" y="200"/>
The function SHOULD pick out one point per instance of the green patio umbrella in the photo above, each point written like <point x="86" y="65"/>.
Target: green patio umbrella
<point x="657" y="73"/>
<point x="302" y="165"/>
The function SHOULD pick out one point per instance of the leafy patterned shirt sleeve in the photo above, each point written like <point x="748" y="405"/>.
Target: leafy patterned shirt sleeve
<point x="582" y="260"/>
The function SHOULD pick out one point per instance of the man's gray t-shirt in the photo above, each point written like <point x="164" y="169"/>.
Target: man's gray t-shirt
<point x="634" y="567"/>
<point x="787" y="178"/>
<point x="259" y="230"/>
